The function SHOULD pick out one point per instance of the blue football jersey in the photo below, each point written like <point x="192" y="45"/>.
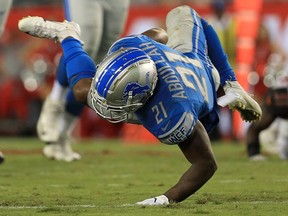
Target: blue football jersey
<point x="185" y="91"/>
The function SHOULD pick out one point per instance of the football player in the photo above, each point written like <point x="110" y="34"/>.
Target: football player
<point x="5" y="6"/>
<point x="169" y="89"/>
<point x="275" y="108"/>
<point x="102" y="22"/>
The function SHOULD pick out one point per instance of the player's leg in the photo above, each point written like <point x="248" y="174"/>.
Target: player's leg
<point x="57" y="108"/>
<point x="61" y="148"/>
<point x="5" y="6"/>
<point x="80" y="66"/>
<point x="186" y="35"/>
<point x="185" y="31"/>
<point x="54" y="123"/>
<point x="189" y="33"/>
<point x="54" y="120"/>
<point x="253" y="132"/>
<point x="115" y="16"/>
<point x="59" y="31"/>
<point x="268" y="138"/>
<point x="53" y="107"/>
<point x="282" y="139"/>
<point x="89" y="14"/>
<point x="280" y="102"/>
<point x="99" y="28"/>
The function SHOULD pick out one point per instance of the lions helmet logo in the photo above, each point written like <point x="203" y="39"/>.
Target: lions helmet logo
<point x="136" y="90"/>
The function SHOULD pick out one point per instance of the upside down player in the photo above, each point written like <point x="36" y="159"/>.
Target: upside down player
<point x="102" y="22"/>
<point x="171" y="92"/>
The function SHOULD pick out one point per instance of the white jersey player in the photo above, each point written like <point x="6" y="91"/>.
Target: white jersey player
<point x="280" y="125"/>
<point x="102" y="22"/>
<point x="5" y="6"/>
<point x="272" y="130"/>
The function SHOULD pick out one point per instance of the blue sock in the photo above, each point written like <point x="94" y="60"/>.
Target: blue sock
<point x="61" y="74"/>
<point x="78" y="63"/>
<point x="217" y="55"/>
<point x="72" y="106"/>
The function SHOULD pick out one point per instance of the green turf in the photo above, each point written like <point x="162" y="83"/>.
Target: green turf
<point x="112" y="176"/>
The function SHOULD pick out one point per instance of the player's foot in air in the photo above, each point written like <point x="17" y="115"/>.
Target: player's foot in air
<point x="58" y="31"/>
<point x="245" y="104"/>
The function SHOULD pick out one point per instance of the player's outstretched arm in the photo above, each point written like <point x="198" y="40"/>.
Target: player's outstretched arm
<point x="197" y="150"/>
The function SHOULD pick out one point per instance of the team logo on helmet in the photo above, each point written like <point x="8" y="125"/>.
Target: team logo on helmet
<point x="136" y="90"/>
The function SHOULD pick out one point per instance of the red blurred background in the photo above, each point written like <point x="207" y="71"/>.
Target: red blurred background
<point x="28" y="64"/>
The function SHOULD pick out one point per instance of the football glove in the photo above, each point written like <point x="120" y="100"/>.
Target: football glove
<point x="245" y="104"/>
<point x="156" y="201"/>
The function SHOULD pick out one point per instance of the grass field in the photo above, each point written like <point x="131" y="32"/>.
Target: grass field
<point x="112" y="176"/>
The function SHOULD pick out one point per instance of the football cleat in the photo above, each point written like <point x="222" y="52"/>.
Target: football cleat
<point x="58" y="31"/>
<point x="156" y="201"/>
<point x="49" y="121"/>
<point x="61" y="151"/>
<point x="245" y="104"/>
<point x="2" y="157"/>
<point x="257" y="157"/>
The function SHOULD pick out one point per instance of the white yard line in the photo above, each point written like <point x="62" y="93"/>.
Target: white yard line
<point x="43" y="207"/>
<point x="259" y="202"/>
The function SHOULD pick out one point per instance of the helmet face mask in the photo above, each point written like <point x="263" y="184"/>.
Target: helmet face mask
<point x="113" y="114"/>
<point x="122" y="84"/>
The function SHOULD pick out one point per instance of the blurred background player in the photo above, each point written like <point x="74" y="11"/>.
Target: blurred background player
<point x="268" y="76"/>
<point x="273" y="141"/>
<point x="102" y="22"/>
<point x="5" y="6"/>
<point x="275" y="113"/>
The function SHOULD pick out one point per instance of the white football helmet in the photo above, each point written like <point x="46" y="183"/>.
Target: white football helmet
<point x="123" y="82"/>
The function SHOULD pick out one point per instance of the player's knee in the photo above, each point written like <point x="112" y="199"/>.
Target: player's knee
<point x="178" y="11"/>
<point x="181" y="11"/>
<point x="182" y="15"/>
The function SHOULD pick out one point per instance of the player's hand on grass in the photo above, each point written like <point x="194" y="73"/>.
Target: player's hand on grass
<point x="156" y="201"/>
